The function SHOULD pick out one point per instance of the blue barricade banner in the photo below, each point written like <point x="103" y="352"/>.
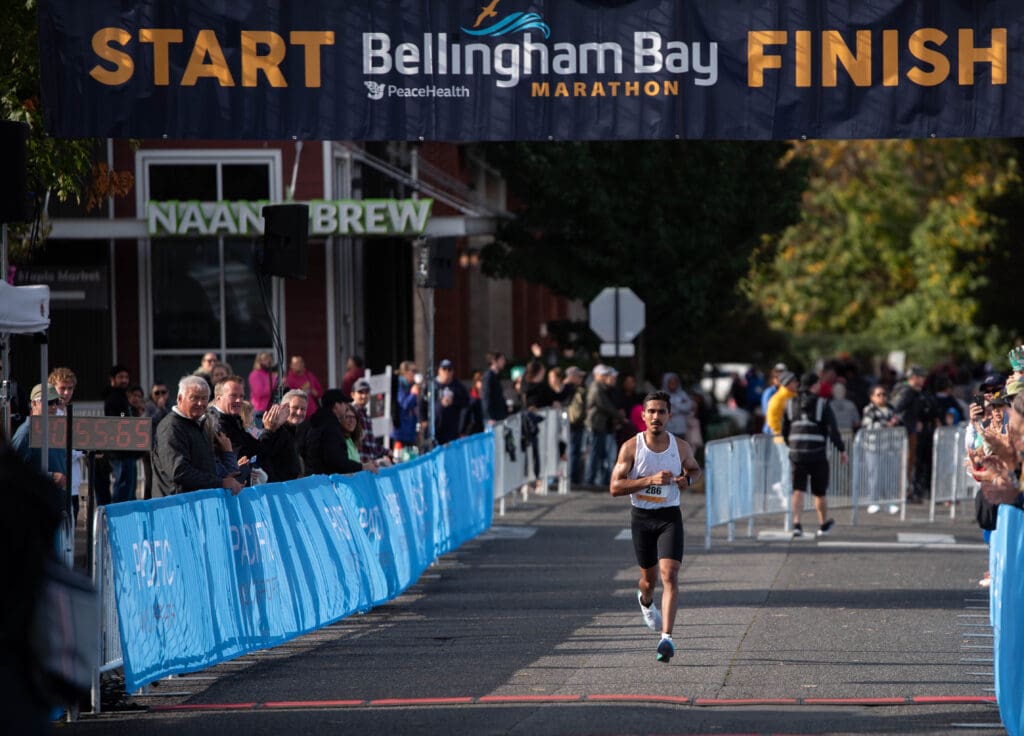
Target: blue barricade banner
<point x="532" y="70"/>
<point x="204" y="577"/>
<point x="1007" y="598"/>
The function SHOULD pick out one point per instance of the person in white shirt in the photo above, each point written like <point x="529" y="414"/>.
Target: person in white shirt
<point x="651" y="469"/>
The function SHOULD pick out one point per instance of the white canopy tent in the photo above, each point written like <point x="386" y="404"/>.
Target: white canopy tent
<point x="24" y="310"/>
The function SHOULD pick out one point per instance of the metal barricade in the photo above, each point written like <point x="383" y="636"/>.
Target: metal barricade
<point x="951" y="483"/>
<point x="110" y="655"/>
<point x="879" y="461"/>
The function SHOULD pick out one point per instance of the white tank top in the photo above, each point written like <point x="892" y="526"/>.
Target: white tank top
<point x="648" y="462"/>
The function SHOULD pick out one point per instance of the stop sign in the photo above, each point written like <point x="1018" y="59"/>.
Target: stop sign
<point x="617" y="315"/>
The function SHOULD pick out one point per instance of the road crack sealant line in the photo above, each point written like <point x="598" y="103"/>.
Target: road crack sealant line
<point x="576" y="699"/>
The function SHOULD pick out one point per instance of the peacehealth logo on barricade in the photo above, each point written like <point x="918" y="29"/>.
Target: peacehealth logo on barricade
<point x="336" y="217"/>
<point x="203" y="577"/>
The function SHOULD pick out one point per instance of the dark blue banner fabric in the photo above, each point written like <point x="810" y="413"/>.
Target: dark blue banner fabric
<point x="204" y="577"/>
<point x="518" y="70"/>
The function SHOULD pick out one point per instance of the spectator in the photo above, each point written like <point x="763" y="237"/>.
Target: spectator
<point x="262" y="383"/>
<point x="371" y="447"/>
<point x="352" y="432"/>
<point x="577" y="413"/>
<point x="910" y="407"/>
<point x="450" y="398"/>
<point x="950" y="410"/>
<point x="184" y="458"/>
<point x="847" y="416"/>
<point x="20" y="442"/>
<point x="228" y="403"/>
<point x="124" y="465"/>
<point x="680" y="404"/>
<point x="156" y="404"/>
<point x="788" y="384"/>
<point x="492" y="395"/>
<point x="602" y="419"/>
<point x="769" y="391"/>
<point x="281" y="459"/>
<point x="321" y="441"/>
<point x="354" y="370"/>
<point x="65" y="381"/>
<point x="221" y="370"/>
<point x="405" y="434"/>
<point x="472" y="419"/>
<point x="628" y="399"/>
<point x="205" y="369"/>
<point x="877" y="415"/>
<point x="304" y="380"/>
<point x="537" y="391"/>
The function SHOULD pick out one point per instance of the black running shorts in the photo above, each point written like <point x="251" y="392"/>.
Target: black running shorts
<point x="657" y="535"/>
<point x="816" y="472"/>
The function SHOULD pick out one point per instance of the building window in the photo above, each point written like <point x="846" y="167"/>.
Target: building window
<point x="205" y="293"/>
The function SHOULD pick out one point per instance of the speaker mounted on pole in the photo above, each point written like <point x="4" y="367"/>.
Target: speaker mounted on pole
<point x="285" y="235"/>
<point x="15" y="204"/>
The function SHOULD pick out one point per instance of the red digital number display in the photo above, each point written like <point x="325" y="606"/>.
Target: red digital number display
<point x="96" y="433"/>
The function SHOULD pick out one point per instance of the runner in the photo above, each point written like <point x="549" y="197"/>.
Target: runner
<point x="652" y="468"/>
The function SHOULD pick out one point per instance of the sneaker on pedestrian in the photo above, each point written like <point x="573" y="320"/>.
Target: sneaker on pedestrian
<point x="894" y="508"/>
<point x="651" y="614"/>
<point x="665" y="649"/>
<point x="798" y="531"/>
<point x="826" y="528"/>
<point x="874" y="508"/>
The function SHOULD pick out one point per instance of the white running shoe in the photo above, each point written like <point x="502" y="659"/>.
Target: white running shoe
<point x="874" y="508"/>
<point x="651" y="614"/>
<point x="894" y="508"/>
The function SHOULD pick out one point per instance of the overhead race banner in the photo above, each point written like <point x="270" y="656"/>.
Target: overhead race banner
<point x="518" y="70"/>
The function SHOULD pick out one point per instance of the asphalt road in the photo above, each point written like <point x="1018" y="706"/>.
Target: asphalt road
<point x="534" y="629"/>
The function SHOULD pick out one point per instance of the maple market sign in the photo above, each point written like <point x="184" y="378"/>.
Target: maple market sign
<point x="326" y="217"/>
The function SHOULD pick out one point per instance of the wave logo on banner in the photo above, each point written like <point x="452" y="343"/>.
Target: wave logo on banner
<point x="511" y="24"/>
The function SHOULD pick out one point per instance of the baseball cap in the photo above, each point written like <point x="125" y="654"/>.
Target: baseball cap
<point x="445" y="364"/>
<point x="915" y="370"/>
<point x="361" y="385"/>
<point x="605" y="370"/>
<point x="780" y="368"/>
<point x="51" y="393"/>
<point x="574" y="371"/>
<point x="993" y="382"/>
<point x="1014" y="387"/>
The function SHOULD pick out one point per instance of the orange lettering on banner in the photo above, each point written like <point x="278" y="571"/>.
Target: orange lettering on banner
<point x="161" y="38"/>
<point x="207" y="47"/>
<point x="207" y="58"/>
<point x="124" y="65"/>
<point x="930" y="57"/>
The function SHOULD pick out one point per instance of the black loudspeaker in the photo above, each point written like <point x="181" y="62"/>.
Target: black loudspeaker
<point x="14" y="201"/>
<point x="285" y="232"/>
<point x="436" y="264"/>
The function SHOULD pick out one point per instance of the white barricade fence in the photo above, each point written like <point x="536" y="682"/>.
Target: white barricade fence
<point x="879" y="460"/>
<point x="514" y="456"/>
<point x="110" y="656"/>
<point x="750" y="476"/>
<point x="950" y="482"/>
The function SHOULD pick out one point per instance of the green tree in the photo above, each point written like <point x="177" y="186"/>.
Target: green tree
<point x="62" y="168"/>
<point x="892" y="249"/>
<point x="674" y="221"/>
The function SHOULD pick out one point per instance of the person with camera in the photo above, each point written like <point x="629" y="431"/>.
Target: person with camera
<point x="450" y="398"/>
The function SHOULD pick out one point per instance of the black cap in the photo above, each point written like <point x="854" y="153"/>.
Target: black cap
<point x="992" y="382"/>
<point x="808" y="379"/>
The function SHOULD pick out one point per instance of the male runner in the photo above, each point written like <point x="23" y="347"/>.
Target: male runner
<point x="651" y="469"/>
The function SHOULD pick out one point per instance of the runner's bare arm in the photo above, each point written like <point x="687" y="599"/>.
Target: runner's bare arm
<point x="621" y="484"/>
<point x="691" y="470"/>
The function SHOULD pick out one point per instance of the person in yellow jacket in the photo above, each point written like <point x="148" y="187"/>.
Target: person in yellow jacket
<point x="788" y="384"/>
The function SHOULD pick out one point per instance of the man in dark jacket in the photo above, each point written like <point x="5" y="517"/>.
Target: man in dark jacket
<point x="228" y="395"/>
<point x="123" y="464"/>
<point x="321" y="441"/>
<point x="183" y="458"/>
<point x="807" y="425"/>
<point x="492" y="395"/>
<point x="450" y="398"/>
